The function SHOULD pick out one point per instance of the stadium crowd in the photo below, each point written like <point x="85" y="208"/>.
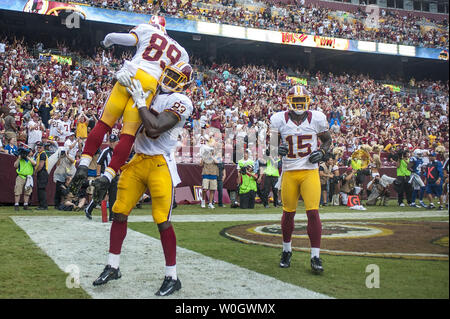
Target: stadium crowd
<point x="50" y="103"/>
<point x="360" y="110"/>
<point x="299" y="17"/>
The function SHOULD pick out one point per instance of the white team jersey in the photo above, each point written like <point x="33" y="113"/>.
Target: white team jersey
<point x="302" y="139"/>
<point x="65" y="128"/>
<point x="155" y="50"/>
<point x="165" y="144"/>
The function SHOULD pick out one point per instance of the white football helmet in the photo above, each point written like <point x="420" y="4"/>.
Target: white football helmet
<point x="298" y="98"/>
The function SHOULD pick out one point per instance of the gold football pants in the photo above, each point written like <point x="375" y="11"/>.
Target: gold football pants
<point x="120" y="104"/>
<point x="142" y="172"/>
<point x="300" y="182"/>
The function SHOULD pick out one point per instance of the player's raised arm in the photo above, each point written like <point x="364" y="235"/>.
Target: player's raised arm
<point x="127" y="39"/>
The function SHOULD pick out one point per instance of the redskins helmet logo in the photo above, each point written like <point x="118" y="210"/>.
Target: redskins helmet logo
<point x="52" y="8"/>
<point x="298" y="98"/>
<point x="158" y="21"/>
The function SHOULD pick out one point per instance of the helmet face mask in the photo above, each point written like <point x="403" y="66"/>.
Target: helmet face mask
<point x="298" y="99"/>
<point x="175" y="77"/>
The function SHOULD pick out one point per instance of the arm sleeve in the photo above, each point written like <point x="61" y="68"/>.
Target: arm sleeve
<point x="127" y="39"/>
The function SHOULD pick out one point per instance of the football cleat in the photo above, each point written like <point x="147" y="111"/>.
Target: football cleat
<point x="169" y="286"/>
<point x="88" y="210"/>
<point x="431" y="206"/>
<point x="316" y="265"/>
<point x="423" y="204"/>
<point x="108" y="274"/>
<point x="101" y="186"/>
<point x="78" y="179"/>
<point x="285" y="261"/>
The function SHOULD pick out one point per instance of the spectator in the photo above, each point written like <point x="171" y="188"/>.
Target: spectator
<point x="44" y="113"/>
<point x="24" y="166"/>
<point x="210" y="172"/>
<point x="434" y="181"/>
<point x="35" y="129"/>
<point x="41" y="175"/>
<point x="11" y="147"/>
<point x="82" y="126"/>
<point x="11" y="128"/>
<point x="71" y="145"/>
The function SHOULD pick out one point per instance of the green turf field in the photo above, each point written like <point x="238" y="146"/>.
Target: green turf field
<point x="27" y="272"/>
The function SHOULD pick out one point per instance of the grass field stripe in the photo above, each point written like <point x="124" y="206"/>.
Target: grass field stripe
<point x="78" y="241"/>
<point x="298" y="217"/>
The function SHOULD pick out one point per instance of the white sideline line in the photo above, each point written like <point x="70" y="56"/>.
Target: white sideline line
<point x="77" y="241"/>
<point x="298" y="216"/>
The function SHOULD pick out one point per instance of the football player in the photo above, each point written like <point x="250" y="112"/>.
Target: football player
<point x="152" y="167"/>
<point x="301" y="129"/>
<point x="155" y="51"/>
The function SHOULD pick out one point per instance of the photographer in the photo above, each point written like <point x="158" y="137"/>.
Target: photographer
<point x="247" y="187"/>
<point x="325" y="176"/>
<point x="377" y="189"/>
<point x="24" y="166"/>
<point x="41" y="175"/>
<point x="401" y="184"/>
<point x="334" y="182"/>
<point x="271" y="175"/>
<point x="245" y="161"/>
<point x="348" y="184"/>
<point x="62" y="171"/>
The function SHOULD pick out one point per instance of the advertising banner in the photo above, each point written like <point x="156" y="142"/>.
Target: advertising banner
<point x="73" y="11"/>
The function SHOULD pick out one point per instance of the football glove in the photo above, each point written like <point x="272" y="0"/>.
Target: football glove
<point x="105" y="44"/>
<point x="137" y="93"/>
<point x="316" y="156"/>
<point x="283" y="150"/>
<point x="124" y="77"/>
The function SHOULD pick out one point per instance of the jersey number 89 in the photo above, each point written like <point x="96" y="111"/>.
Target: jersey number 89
<point x="157" y="47"/>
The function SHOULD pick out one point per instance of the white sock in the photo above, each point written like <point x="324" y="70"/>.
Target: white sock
<point x="109" y="173"/>
<point x="315" y="252"/>
<point x="86" y="161"/>
<point x="16" y="204"/>
<point x="24" y="204"/>
<point x="113" y="260"/>
<point x="287" y="246"/>
<point x="171" y="271"/>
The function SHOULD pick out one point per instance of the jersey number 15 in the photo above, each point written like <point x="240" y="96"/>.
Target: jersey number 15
<point x="302" y="149"/>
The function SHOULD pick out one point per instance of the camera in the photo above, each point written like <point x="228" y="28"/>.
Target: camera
<point x="244" y="170"/>
<point x="22" y="152"/>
